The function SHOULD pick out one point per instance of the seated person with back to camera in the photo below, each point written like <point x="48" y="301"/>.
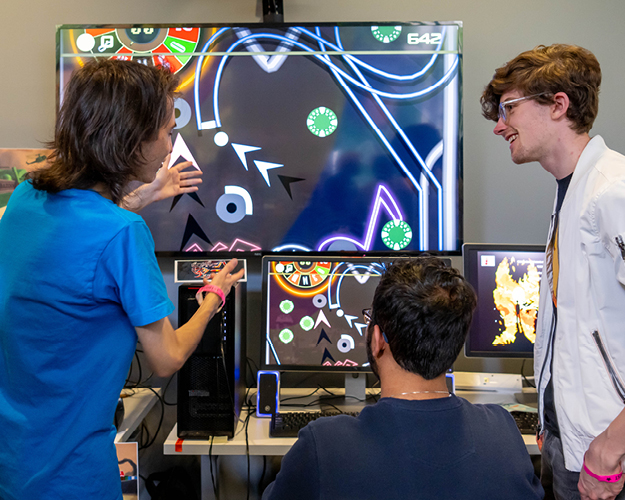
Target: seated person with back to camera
<point x="418" y="439"/>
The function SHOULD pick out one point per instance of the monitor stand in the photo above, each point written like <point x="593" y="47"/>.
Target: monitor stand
<point x="355" y="392"/>
<point x="527" y="398"/>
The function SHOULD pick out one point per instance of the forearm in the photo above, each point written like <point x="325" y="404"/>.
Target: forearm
<point x="603" y="458"/>
<point x="139" y="198"/>
<point x="167" y="349"/>
<point x="609" y="446"/>
<point x="190" y="334"/>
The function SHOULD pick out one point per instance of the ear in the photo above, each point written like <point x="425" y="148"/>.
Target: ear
<point x="560" y="105"/>
<point x="377" y="342"/>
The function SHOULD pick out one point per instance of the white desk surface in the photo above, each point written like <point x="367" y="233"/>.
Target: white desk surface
<point x="136" y="407"/>
<point x="258" y="429"/>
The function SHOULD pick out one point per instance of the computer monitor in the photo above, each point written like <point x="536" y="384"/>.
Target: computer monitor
<point x="506" y="279"/>
<point x="317" y="137"/>
<point x="312" y="312"/>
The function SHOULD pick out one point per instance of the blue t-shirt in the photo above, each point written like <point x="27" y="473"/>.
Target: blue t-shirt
<point x="398" y="449"/>
<point x="77" y="274"/>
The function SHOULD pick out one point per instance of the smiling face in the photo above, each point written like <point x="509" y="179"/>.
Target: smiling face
<point x="155" y="151"/>
<point x="526" y="128"/>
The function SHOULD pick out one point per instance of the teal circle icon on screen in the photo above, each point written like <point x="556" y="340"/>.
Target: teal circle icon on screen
<point x="396" y="234"/>
<point x="322" y="121"/>
<point x="386" y="34"/>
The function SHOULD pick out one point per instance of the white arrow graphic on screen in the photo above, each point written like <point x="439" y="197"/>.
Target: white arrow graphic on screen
<point x="241" y="150"/>
<point x="360" y="327"/>
<point x="322" y="319"/>
<point x="181" y="149"/>
<point x="264" y="167"/>
<point x="350" y="318"/>
<point x="270" y="64"/>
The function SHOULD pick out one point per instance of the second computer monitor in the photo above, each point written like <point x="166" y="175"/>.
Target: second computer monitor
<point x="506" y="279"/>
<point x="313" y="307"/>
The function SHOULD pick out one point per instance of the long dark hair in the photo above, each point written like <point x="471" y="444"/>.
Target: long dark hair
<point x="110" y="108"/>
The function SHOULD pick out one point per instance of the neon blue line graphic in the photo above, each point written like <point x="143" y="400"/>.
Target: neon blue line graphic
<point x="198" y="70"/>
<point x="390" y="76"/>
<point x="269" y="36"/>
<point x="348" y="82"/>
<point x="392" y="208"/>
<point x="294" y="247"/>
<point x="402" y="134"/>
<point x="374" y="268"/>
<point x="273" y="349"/>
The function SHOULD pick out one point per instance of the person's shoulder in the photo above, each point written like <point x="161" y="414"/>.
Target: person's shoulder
<point x="610" y="163"/>
<point x="487" y="412"/>
<point x="334" y="424"/>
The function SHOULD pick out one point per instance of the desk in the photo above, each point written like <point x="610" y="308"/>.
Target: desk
<point x="260" y="444"/>
<point x="136" y="406"/>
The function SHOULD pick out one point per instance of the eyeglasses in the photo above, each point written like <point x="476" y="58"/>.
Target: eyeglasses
<point x="505" y="108"/>
<point x="366" y="313"/>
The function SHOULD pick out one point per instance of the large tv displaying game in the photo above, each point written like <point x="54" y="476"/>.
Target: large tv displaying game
<point x="506" y="278"/>
<point x="311" y="137"/>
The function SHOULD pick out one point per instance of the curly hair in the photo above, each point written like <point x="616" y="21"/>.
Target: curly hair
<point x="110" y="108"/>
<point x="425" y="309"/>
<point x="548" y="70"/>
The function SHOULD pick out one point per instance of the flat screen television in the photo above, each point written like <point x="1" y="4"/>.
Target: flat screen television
<point x="311" y="137"/>
<point x="506" y="279"/>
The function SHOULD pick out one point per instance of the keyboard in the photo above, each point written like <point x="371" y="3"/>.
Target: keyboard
<point x="288" y="424"/>
<point x="526" y="421"/>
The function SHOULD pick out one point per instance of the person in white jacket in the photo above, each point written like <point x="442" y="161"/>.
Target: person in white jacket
<point x="544" y="103"/>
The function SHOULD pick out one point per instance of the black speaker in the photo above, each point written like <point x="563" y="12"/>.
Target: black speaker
<point x="211" y="384"/>
<point x="268" y="383"/>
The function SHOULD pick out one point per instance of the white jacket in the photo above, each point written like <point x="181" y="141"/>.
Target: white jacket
<point x="591" y="298"/>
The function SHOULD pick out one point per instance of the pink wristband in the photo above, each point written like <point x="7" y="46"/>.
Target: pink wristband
<point x="216" y="290"/>
<point x="612" y="478"/>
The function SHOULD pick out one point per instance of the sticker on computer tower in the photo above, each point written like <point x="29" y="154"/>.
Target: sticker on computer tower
<point x="194" y="271"/>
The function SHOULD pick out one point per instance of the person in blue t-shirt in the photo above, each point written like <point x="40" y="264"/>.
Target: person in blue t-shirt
<point x="418" y="440"/>
<point x="80" y="284"/>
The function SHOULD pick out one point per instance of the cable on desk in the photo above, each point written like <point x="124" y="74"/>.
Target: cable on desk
<point x="300" y="397"/>
<point x="262" y="477"/>
<point x="140" y="369"/>
<point x="247" y="451"/>
<point x="165" y="391"/>
<point x="321" y="402"/>
<point x="210" y="461"/>
<point x="160" y="423"/>
<point x="254" y="369"/>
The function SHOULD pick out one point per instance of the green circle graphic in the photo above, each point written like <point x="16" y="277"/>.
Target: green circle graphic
<point x="307" y="323"/>
<point x="286" y="336"/>
<point x="322" y="121"/>
<point x="287" y="306"/>
<point x="386" y="34"/>
<point x="396" y="234"/>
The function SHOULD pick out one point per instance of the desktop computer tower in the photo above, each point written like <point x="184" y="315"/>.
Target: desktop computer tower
<point x="211" y="384"/>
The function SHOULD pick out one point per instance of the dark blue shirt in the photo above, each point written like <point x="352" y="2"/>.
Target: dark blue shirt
<point x="398" y="449"/>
